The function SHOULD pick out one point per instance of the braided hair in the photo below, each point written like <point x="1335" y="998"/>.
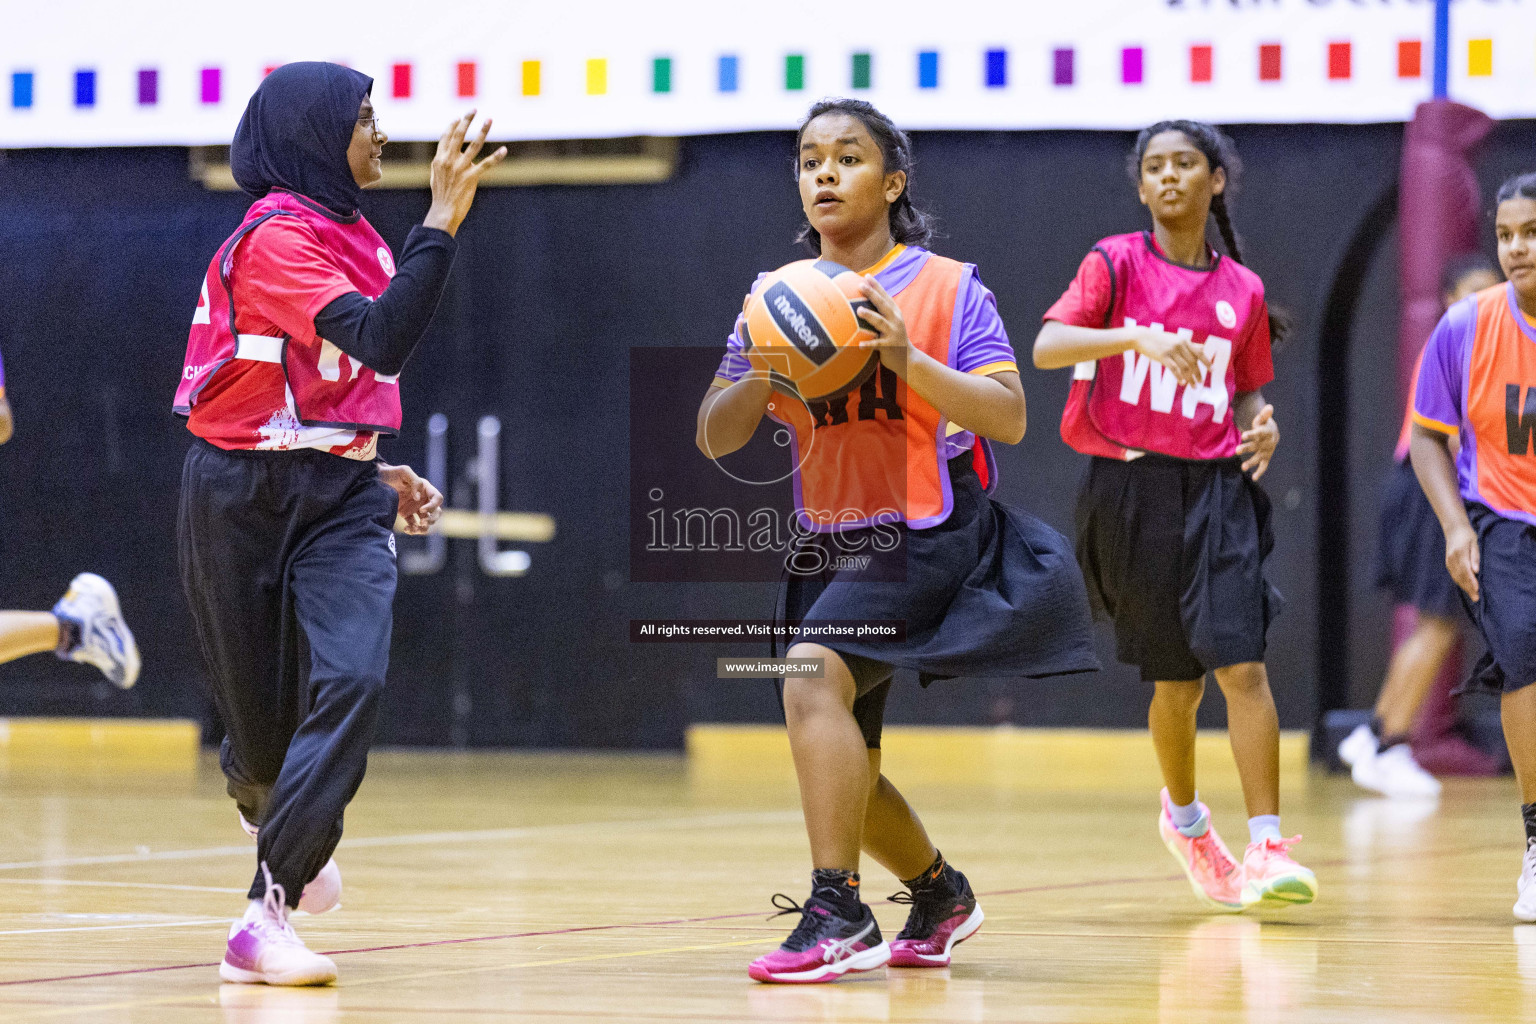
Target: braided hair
<point x="1219" y="153"/>
<point x="909" y="225"/>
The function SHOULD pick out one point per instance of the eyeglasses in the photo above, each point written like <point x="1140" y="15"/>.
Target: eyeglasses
<point x="371" y="123"/>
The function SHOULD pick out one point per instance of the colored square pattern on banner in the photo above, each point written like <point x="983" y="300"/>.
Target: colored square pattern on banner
<point x="1200" y="62"/>
<point x="997" y="69"/>
<point x="1172" y="75"/>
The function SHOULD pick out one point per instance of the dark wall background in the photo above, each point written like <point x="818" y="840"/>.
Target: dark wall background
<point x="101" y="252"/>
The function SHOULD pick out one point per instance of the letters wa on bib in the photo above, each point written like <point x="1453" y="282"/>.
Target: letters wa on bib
<point x="984" y="588"/>
<point x="1172" y="535"/>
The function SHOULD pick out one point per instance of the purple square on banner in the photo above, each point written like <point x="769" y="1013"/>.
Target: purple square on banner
<point x="210" y="85"/>
<point x="149" y="87"/>
<point x="1130" y="65"/>
<point x="1063" y="65"/>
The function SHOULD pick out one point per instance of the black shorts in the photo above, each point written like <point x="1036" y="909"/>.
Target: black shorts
<point x="1411" y="554"/>
<point x="1505" y="610"/>
<point x="1173" y="552"/>
<point x="990" y="592"/>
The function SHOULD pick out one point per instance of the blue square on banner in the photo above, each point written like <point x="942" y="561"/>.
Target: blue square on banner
<point x="85" y="88"/>
<point x="997" y="69"/>
<point x="21" y="89"/>
<point x="728" y="68"/>
<point x="928" y="70"/>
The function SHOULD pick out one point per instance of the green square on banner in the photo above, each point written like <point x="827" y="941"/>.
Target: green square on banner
<point x="794" y="72"/>
<point x="861" y="70"/>
<point x="661" y="74"/>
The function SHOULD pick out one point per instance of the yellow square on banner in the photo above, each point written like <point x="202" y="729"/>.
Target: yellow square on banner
<point x="530" y="78"/>
<point x="1480" y="57"/>
<point x="597" y="76"/>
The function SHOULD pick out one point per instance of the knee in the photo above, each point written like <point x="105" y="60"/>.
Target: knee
<point x="1246" y="680"/>
<point x="1182" y="694"/>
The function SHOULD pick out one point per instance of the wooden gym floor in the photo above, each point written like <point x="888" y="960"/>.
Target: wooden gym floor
<point x="610" y="887"/>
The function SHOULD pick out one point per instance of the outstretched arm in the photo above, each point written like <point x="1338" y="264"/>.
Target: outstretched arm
<point x="381" y="335"/>
<point x="1060" y="344"/>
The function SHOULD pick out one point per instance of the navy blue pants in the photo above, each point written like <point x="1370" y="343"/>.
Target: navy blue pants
<point x="288" y="563"/>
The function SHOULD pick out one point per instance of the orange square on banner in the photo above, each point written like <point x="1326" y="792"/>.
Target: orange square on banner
<point x="1339" y="61"/>
<point x="1200" y="62"/>
<point x="1269" y="62"/>
<point x="466" y="78"/>
<point x="1410" y="58"/>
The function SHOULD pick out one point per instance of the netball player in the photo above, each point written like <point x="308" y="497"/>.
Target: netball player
<point x="284" y="530"/>
<point x="1477" y="383"/>
<point x="984" y="590"/>
<point x="1412" y="569"/>
<point x="86" y="625"/>
<point x="1172" y="342"/>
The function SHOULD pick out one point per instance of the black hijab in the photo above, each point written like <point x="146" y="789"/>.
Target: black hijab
<point x="295" y="133"/>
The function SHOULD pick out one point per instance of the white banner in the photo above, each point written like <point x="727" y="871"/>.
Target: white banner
<point x="102" y="72"/>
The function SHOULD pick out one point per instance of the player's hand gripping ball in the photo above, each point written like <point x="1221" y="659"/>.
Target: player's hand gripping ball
<point x="802" y="329"/>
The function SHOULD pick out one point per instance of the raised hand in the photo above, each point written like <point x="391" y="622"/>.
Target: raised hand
<point x="1260" y="441"/>
<point x="456" y="174"/>
<point x="1178" y="354"/>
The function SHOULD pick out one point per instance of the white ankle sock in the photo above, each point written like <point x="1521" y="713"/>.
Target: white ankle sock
<point x="1263" y="826"/>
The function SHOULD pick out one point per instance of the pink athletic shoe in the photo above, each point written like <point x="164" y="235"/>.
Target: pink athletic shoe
<point x="1206" y="861"/>
<point x="264" y="949"/>
<point x="824" y="945"/>
<point x="935" y="927"/>
<point x="1270" y="876"/>
<point x="323" y="893"/>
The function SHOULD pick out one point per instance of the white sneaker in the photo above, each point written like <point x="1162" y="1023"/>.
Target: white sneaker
<point x="1525" y="906"/>
<point x="102" y="639"/>
<point x="1395" y="773"/>
<point x="323" y="893"/>
<point x="1359" y="745"/>
<point x="263" y="948"/>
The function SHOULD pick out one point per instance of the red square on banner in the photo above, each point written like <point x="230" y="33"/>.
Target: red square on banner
<point x="466" y="78"/>
<point x="1410" y="58"/>
<point x="401" y="81"/>
<point x="1269" y="62"/>
<point x="1338" y="61"/>
<point x="1200" y="63"/>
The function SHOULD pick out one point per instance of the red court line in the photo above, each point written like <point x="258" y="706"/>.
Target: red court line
<point x="1051" y="887"/>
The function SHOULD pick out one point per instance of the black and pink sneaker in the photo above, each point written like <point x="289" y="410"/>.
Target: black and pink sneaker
<point x="936" y="924"/>
<point x="824" y="946"/>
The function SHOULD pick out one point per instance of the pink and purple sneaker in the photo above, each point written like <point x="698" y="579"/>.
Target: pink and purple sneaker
<point x="937" y="923"/>
<point x="263" y="948"/>
<point x="824" y="946"/>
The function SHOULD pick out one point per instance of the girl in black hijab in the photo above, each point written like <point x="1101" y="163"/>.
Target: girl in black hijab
<point x="285" y="538"/>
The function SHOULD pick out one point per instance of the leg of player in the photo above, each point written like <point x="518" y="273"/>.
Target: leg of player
<point x="944" y="911"/>
<point x="1518" y="710"/>
<point x="1183" y="821"/>
<point x="86" y="626"/>
<point x="1270" y="876"/>
<point x="1390" y="768"/>
<point x="837" y="933"/>
<point x="24" y="633"/>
